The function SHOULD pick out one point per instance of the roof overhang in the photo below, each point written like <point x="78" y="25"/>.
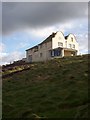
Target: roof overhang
<point x="70" y="49"/>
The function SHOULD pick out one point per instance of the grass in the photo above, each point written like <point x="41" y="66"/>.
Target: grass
<point x="53" y="89"/>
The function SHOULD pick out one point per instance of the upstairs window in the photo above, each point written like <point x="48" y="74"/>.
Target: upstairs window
<point x="66" y="43"/>
<point x="72" y="39"/>
<point x="36" y="49"/>
<point x="60" y="44"/>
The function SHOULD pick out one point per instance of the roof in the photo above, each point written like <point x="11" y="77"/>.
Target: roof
<point x="32" y="47"/>
<point x="45" y="41"/>
<point x="70" y="49"/>
<point x="48" y="39"/>
<point x="70" y="34"/>
<point x="66" y="36"/>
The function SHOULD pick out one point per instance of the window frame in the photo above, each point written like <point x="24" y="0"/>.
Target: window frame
<point x="66" y="44"/>
<point x="73" y="46"/>
<point x="40" y="54"/>
<point x="60" y="44"/>
<point x="72" y="39"/>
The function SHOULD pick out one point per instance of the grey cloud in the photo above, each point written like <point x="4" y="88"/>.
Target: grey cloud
<point x="45" y="0"/>
<point x="10" y="57"/>
<point x="19" y="15"/>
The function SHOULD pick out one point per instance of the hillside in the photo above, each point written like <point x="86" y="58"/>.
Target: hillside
<point x="53" y="89"/>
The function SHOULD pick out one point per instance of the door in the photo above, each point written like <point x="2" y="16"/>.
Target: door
<point x="30" y="58"/>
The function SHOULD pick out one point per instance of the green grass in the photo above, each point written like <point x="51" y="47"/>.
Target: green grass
<point x="53" y="89"/>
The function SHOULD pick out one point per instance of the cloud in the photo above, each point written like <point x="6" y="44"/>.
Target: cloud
<point x="46" y="31"/>
<point x="18" y="15"/>
<point x="10" y="57"/>
<point x="21" y="45"/>
<point x="83" y="42"/>
<point x="44" y="0"/>
<point x="41" y="32"/>
<point x="2" y="47"/>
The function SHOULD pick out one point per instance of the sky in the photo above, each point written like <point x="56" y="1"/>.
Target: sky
<point x="25" y="24"/>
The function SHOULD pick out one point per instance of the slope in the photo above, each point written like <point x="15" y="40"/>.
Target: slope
<point x="53" y="89"/>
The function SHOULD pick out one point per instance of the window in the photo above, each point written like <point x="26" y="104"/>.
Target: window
<point x="55" y="52"/>
<point x="73" y="46"/>
<point x="30" y="58"/>
<point x="52" y="53"/>
<point x="69" y="45"/>
<point x="40" y="54"/>
<point x="66" y="43"/>
<point x="36" y="49"/>
<point x="72" y="39"/>
<point x="60" y="44"/>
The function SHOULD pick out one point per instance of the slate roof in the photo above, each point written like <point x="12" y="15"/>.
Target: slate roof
<point x="66" y="36"/>
<point x="48" y="38"/>
<point x="45" y="41"/>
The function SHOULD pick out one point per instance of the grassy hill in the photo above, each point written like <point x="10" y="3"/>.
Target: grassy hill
<point x="53" y="89"/>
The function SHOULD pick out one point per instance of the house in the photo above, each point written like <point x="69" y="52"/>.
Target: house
<point x="56" y="45"/>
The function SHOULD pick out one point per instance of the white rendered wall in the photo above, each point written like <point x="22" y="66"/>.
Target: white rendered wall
<point x="59" y="37"/>
<point x="69" y="41"/>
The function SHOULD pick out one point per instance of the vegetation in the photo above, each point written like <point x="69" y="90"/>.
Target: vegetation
<point x="53" y="89"/>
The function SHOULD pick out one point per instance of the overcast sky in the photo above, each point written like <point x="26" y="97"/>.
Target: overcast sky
<point x="45" y="0"/>
<point x="27" y="24"/>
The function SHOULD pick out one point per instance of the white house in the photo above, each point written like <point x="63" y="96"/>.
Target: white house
<point x="56" y="45"/>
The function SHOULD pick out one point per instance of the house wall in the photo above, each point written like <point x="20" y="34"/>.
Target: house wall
<point x="59" y="37"/>
<point x="42" y="49"/>
<point x="69" y="41"/>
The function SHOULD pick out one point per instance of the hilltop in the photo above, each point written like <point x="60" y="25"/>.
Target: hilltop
<point x="53" y="89"/>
